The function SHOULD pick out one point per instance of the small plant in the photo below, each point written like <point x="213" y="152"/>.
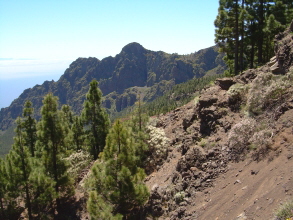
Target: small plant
<point x="252" y="147"/>
<point x="239" y="136"/>
<point x="179" y="197"/>
<point x="285" y="211"/>
<point x="196" y="99"/>
<point x="223" y="111"/>
<point x="202" y="143"/>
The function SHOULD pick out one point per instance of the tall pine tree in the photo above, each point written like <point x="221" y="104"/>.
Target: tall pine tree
<point x="2" y="188"/>
<point x="227" y="33"/>
<point x="52" y="144"/>
<point x="117" y="181"/>
<point x="77" y="133"/>
<point x="29" y="125"/>
<point x="245" y="30"/>
<point x="21" y="160"/>
<point x="138" y="125"/>
<point x="96" y="120"/>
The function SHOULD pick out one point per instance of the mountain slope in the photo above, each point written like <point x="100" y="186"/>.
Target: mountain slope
<point x="134" y="66"/>
<point x="230" y="149"/>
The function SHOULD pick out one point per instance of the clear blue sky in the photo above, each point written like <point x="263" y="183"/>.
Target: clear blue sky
<point x="40" y="38"/>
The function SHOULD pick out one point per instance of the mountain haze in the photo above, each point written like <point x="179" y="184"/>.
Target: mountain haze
<point x="135" y="70"/>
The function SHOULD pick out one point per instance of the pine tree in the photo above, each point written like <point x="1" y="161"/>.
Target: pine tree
<point x="29" y="125"/>
<point x="2" y="188"/>
<point x="67" y="122"/>
<point x="271" y="29"/>
<point x="96" y="120"/>
<point x="227" y="33"/>
<point x="116" y="180"/>
<point x="245" y="30"/>
<point x="52" y="145"/>
<point x="42" y="190"/>
<point x="21" y="158"/>
<point x="100" y="209"/>
<point x="77" y="133"/>
<point x="12" y="183"/>
<point x="138" y="125"/>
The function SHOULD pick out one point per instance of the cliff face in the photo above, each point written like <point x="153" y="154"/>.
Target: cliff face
<point x="134" y="66"/>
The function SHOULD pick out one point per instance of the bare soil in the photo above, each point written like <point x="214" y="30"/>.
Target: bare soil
<point x="247" y="189"/>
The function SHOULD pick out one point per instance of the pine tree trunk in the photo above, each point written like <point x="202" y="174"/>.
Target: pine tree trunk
<point x="260" y="28"/>
<point x="252" y="39"/>
<point x="252" y="54"/>
<point x="25" y="179"/>
<point x="236" y="39"/>
<point x="30" y="130"/>
<point x="241" y="67"/>
<point x="54" y="157"/>
<point x="96" y="148"/>
<point x="2" y="208"/>
<point x="28" y="202"/>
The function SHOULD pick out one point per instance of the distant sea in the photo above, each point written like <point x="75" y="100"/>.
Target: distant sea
<point x="12" y="88"/>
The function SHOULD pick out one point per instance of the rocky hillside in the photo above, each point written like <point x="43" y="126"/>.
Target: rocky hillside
<point x="135" y="70"/>
<point x="228" y="153"/>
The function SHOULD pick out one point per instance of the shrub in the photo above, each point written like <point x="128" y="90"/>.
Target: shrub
<point x="285" y="211"/>
<point x="261" y="141"/>
<point x="237" y="95"/>
<point x="237" y="90"/>
<point x="239" y="135"/>
<point x="158" y="144"/>
<point x="179" y="197"/>
<point x="266" y="90"/>
<point x="77" y="162"/>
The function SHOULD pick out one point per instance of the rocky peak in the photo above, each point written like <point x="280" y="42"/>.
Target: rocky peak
<point x="133" y="48"/>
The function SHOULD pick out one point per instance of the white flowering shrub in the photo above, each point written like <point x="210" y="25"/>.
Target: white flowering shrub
<point x="249" y="135"/>
<point x="158" y="144"/>
<point x="261" y="142"/>
<point x="77" y="162"/>
<point x="262" y="138"/>
<point x="239" y="135"/>
<point x="153" y="121"/>
<point x="179" y="197"/>
<point x="266" y="90"/>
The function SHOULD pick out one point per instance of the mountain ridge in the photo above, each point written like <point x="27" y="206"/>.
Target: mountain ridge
<point x="134" y="66"/>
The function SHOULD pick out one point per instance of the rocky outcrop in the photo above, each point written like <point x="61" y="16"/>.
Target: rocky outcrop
<point x="225" y="83"/>
<point x="196" y="153"/>
<point x="283" y="60"/>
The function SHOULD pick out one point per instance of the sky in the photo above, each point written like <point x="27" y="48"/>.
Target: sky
<point x="39" y="39"/>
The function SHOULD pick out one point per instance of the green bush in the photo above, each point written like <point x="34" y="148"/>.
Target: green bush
<point x="237" y="92"/>
<point x="285" y="211"/>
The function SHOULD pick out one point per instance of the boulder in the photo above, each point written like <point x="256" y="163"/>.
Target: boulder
<point x="225" y="83"/>
<point x="275" y="68"/>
